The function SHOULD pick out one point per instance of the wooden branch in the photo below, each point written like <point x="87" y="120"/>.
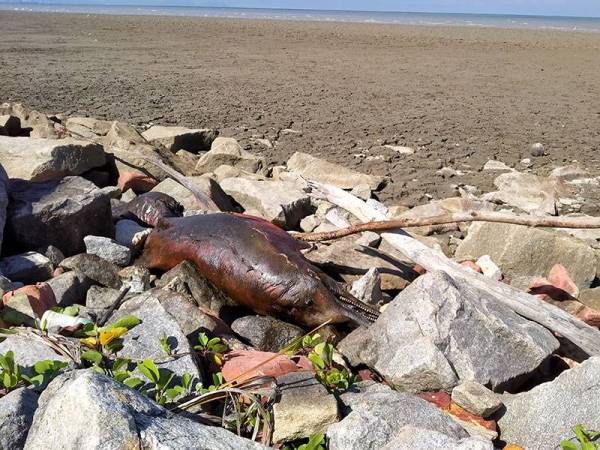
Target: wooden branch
<point x="468" y="216"/>
<point x="528" y="306"/>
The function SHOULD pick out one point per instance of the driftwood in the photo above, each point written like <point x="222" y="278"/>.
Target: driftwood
<point x="468" y="216"/>
<point x="528" y="306"/>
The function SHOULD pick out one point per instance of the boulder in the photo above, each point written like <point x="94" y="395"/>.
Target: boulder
<point x="104" y="414"/>
<point x="266" y="333"/>
<point x="181" y="138"/>
<point x="143" y="341"/>
<point x="205" y="184"/>
<point x="28" y="304"/>
<point x="27" y="268"/>
<point x="99" y="299"/>
<point x="46" y="159"/>
<point x="416" y="438"/>
<point x="28" y="351"/>
<point x="476" y="398"/>
<point x="95" y="268"/>
<point x="304" y="408"/>
<point x="317" y="169"/>
<point x="368" y="288"/>
<point x="136" y="278"/>
<point x="545" y="415"/>
<point x="227" y="151"/>
<point x="283" y="203"/>
<point x="108" y="249"/>
<point x="16" y="415"/>
<point x="10" y="125"/>
<point x="58" y="212"/>
<point x="34" y="123"/>
<point x="440" y="332"/>
<point x="375" y="414"/>
<point x="87" y="127"/>
<point x="524" y="251"/>
<point x="70" y="288"/>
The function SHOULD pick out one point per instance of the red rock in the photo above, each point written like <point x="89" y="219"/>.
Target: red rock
<point x="137" y="182"/>
<point x="40" y="296"/>
<point x="58" y="271"/>
<point x="559" y="277"/>
<point x="243" y="364"/>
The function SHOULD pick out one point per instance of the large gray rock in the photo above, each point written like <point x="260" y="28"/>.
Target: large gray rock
<point x="16" y="415"/>
<point x="439" y="332"/>
<point x="46" y="159"/>
<point x="34" y="123"/>
<point x="85" y="410"/>
<point x="181" y="138"/>
<point x="227" y="151"/>
<point x="266" y="333"/>
<point x="58" y="212"/>
<point x="476" y="399"/>
<point x="30" y="267"/>
<point x="95" y="268"/>
<point x="108" y="249"/>
<point x="143" y="341"/>
<point x="205" y="184"/>
<point x="415" y="438"/>
<point x="70" y="288"/>
<point x="87" y="127"/>
<point x="304" y="408"/>
<point x="27" y="351"/>
<point x="544" y="416"/>
<point x="317" y="169"/>
<point x="523" y="251"/>
<point x="376" y="414"/>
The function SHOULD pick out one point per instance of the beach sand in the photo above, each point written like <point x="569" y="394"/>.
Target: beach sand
<point x="458" y="96"/>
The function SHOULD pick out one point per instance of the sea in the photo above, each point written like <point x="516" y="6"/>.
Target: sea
<point x="584" y="24"/>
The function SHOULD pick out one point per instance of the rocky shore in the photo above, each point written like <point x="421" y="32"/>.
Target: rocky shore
<point x="98" y="351"/>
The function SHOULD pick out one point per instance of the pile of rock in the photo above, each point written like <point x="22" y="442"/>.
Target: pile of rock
<point x="444" y="366"/>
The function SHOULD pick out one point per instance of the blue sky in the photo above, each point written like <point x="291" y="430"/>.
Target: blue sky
<point x="586" y="8"/>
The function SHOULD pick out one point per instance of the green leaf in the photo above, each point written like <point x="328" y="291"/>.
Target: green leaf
<point x="120" y="364"/>
<point x="203" y="339"/>
<point x="92" y="356"/>
<point x="71" y="311"/>
<point x="150" y="371"/>
<point x="133" y="383"/>
<point x="317" y="361"/>
<point x="165" y="378"/>
<point x="121" y="376"/>
<point x="186" y="381"/>
<point x="175" y="392"/>
<point x="128" y="322"/>
<point x="315" y="442"/>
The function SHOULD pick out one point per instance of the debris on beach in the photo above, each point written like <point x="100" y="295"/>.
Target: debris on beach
<point x="167" y="288"/>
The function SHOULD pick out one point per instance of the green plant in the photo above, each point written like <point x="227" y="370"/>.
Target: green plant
<point x="211" y="349"/>
<point x="332" y="376"/>
<point x="585" y="438"/>
<point x="10" y="374"/>
<point x="43" y="373"/>
<point x="315" y="442"/>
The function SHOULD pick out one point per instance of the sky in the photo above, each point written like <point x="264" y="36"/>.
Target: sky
<point x="584" y="8"/>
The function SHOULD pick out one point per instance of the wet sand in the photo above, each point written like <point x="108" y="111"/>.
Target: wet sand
<point x="458" y="96"/>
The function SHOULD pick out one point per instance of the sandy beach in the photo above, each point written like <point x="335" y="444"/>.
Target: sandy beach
<point x="458" y="96"/>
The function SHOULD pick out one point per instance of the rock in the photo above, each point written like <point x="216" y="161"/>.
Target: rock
<point x="28" y="268"/>
<point x="125" y="230"/>
<point x="87" y="127"/>
<point x="476" y="399"/>
<point x="99" y="299"/>
<point x="362" y="191"/>
<point x="135" y="182"/>
<point x="496" y="166"/>
<point x="537" y="149"/>
<point x="226" y="171"/>
<point x="309" y="223"/>
<point x="415" y="438"/>
<point x="528" y="192"/>
<point x="532" y="252"/>
<point x="266" y="333"/>
<point x="10" y="126"/>
<point x="104" y="414"/>
<point x="401" y="149"/>
<point x="70" y="288"/>
<point x="36" y="124"/>
<point x="178" y="138"/>
<point x="6" y="285"/>
<point x="545" y="415"/>
<point x="28" y="351"/>
<point x="53" y="254"/>
<point x="250" y="364"/>
<point x="591" y="298"/>
<point x="46" y="159"/>
<point x="316" y="169"/>
<point x="143" y="341"/>
<point x="16" y="415"/>
<point x="108" y="249"/>
<point x="304" y="408"/>
<point x="97" y="269"/>
<point x="489" y="268"/>
<point x="59" y="213"/>
<point x="569" y="173"/>
<point x="206" y="185"/>
<point x="433" y="335"/>
<point x="136" y="278"/>
<point x="227" y="151"/>
<point x="375" y="414"/>
<point x="368" y="288"/>
<point x="283" y="203"/>
<point x="26" y="305"/>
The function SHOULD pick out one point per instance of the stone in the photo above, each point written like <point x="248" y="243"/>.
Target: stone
<point x="87" y="127"/>
<point x="70" y="288"/>
<point x="136" y="278"/>
<point x="143" y="341"/>
<point x="99" y="299"/>
<point x="362" y="191"/>
<point x="241" y="365"/>
<point x="181" y="138"/>
<point x="53" y="254"/>
<point x="27" y="268"/>
<point x="309" y="223"/>
<point x="6" y="285"/>
<point x="226" y="171"/>
<point x="280" y="202"/>
<point x="58" y="212"/>
<point x="265" y="333"/>
<point x="476" y="398"/>
<point x="205" y="184"/>
<point x="496" y="166"/>
<point x="10" y="126"/>
<point x="34" y="123"/>
<point x="368" y="288"/>
<point x="104" y="414"/>
<point x="28" y="351"/>
<point x="569" y="173"/>
<point x="97" y="269"/>
<point x="227" y="151"/>
<point x="108" y="249"/>
<point x="16" y="415"/>
<point x="136" y="182"/>
<point x="591" y="298"/>
<point x="401" y="149"/>
<point x="440" y="332"/>
<point x="524" y="251"/>
<point x="375" y="414"/>
<point x="46" y="159"/>
<point x="304" y="408"/>
<point x="125" y="231"/>
<point x="27" y="304"/>
<point x="415" y="438"/>
<point x="317" y="169"/>
<point x="489" y="268"/>
<point x="537" y="149"/>
<point x="545" y="415"/>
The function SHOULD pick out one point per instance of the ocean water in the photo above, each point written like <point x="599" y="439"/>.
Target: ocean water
<point x="432" y="19"/>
